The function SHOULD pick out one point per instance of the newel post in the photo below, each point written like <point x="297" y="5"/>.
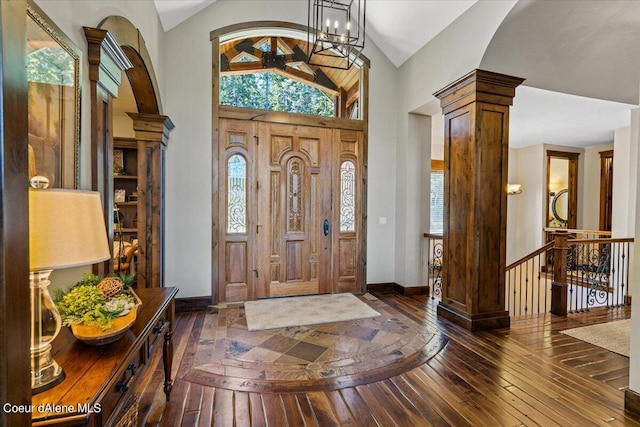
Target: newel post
<point x="559" y="284"/>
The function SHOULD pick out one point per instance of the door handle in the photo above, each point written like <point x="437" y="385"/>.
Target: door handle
<point x="325" y="227"/>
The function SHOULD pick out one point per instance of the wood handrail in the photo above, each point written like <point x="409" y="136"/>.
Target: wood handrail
<point x="530" y="256"/>
<point x="577" y="231"/>
<point x="602" y="241"/>
<point x="432" y="236"/>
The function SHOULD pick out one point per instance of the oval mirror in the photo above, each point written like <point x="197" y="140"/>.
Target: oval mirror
<point x="560" y="205"/>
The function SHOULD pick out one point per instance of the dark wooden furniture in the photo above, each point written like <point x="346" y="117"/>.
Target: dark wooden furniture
<point x="100" y="380"/>
<point x="127" y="180"/>
<point x="476" y="149"/>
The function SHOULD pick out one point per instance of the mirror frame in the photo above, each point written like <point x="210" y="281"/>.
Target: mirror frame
<point x="554" y="205"/>
<point x="67" y="149"/>
<point x="572" y="206"/>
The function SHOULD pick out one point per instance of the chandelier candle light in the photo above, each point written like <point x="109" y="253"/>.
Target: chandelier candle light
<point x="66" y="229"/>
<point x="334" y="31"/>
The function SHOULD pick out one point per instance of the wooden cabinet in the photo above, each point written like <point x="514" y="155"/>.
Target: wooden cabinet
<point x="100" y="380"/>
<point x="125" y="187"/>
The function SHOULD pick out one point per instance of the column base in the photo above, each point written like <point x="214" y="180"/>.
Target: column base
<point x="632" y="401"/>
<point x="475" y="322"/>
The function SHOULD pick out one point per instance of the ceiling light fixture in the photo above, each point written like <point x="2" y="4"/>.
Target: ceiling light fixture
<point x="334" y="32"/>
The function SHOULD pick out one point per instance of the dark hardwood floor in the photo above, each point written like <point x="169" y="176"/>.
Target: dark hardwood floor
<point x="529" y="374"/>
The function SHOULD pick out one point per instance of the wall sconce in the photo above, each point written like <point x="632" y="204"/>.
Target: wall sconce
<point x="514" y="189"/>
<point x="66" y="229"/>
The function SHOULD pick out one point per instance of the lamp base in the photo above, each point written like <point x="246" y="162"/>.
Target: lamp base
<point x="45" y="324"/>
<point x="48" y="378"/>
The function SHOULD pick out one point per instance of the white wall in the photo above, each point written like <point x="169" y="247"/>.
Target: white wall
<point x="513" y="222"/>
<point x="437" y="136"/>
<point x="591" y="196"/>
<point x="530" y="211"/>
<point x="189" y="159"/>
<point x="456" y="51"/>
<point x="413" y="189"/>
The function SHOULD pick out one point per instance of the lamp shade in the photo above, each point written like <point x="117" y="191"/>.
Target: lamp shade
<point x="66" y="229"/>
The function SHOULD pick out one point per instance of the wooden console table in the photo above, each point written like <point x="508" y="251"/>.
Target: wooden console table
<point x="100" y="380"/>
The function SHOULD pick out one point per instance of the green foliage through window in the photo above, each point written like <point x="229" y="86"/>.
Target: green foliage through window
<point x="51" y="66"/>
<point x="271" y="91"/>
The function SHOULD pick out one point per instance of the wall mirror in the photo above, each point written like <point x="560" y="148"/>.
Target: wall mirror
<point x="562" y="189"/>
<point x="53" y="75"/>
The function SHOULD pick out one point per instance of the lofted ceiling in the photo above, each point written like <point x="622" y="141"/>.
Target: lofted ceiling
<point x="398" y="27"/>
<point x="567" y="46"/>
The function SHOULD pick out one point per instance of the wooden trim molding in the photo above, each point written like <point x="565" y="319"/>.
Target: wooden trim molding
<point x="184" y="305"/>
<point x="437" y="165"/>
<point x="130" y="38"/>
<point x="398" y="289"/>
<point x="240" y="113"/>
<point x="563" y="154"/>
<point x="15" y="384"/>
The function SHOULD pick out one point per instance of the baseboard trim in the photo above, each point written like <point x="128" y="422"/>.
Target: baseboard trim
<point x="632" y="401"/>
<point x="398" y="289"/>
<point x="184" y="305"/>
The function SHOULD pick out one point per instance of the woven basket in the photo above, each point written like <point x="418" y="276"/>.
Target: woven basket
<point x="129" y="417"/>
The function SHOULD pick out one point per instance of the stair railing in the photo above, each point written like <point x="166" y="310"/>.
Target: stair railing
<point x="569" y="275"/>
<point x="432" y="262"/>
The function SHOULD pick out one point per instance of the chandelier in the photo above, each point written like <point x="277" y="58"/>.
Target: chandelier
<point x="335" y="32"/>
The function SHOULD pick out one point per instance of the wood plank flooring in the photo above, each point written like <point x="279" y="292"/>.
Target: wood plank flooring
<point x="529" y="374"/>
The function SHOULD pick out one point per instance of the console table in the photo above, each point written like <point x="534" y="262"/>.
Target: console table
<point x="100" y="380"/>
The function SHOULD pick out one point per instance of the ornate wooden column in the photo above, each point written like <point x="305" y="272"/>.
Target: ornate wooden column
<point x="106" y="63"/>
<point x="476" y="109"/>
<point x="152" y="134"/>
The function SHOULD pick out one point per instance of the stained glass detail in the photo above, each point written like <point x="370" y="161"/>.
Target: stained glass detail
<point x="237" y="194"/>
<point x="294" y="192"/>
<point x="347" y="196"/>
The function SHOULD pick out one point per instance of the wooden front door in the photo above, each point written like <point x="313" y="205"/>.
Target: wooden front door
<point x="294" y="210"/>
<point x="290" y="210"/>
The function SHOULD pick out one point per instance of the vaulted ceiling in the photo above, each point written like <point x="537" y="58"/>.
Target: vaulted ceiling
<point x="560" y="47"/>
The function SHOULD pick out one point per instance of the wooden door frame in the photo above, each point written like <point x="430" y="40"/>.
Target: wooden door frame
<point x="572" y="209"/>
<point x="218" y="111"/>
<point x="606" y="186"/>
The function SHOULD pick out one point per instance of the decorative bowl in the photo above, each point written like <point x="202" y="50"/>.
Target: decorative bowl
<point x="94" y="335"/>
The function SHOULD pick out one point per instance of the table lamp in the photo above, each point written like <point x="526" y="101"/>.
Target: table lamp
<point x="66" y="229"/>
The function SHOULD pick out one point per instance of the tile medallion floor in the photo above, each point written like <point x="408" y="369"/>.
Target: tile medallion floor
<point x="328" y="355"/>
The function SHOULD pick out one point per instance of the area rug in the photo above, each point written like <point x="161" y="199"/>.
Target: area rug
<point x="324" y="356"/>
<point x="305" y="310"/>
<point x="613" y="336"/>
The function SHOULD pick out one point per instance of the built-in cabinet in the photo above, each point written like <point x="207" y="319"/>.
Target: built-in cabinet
<point x="125" y="188"/>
